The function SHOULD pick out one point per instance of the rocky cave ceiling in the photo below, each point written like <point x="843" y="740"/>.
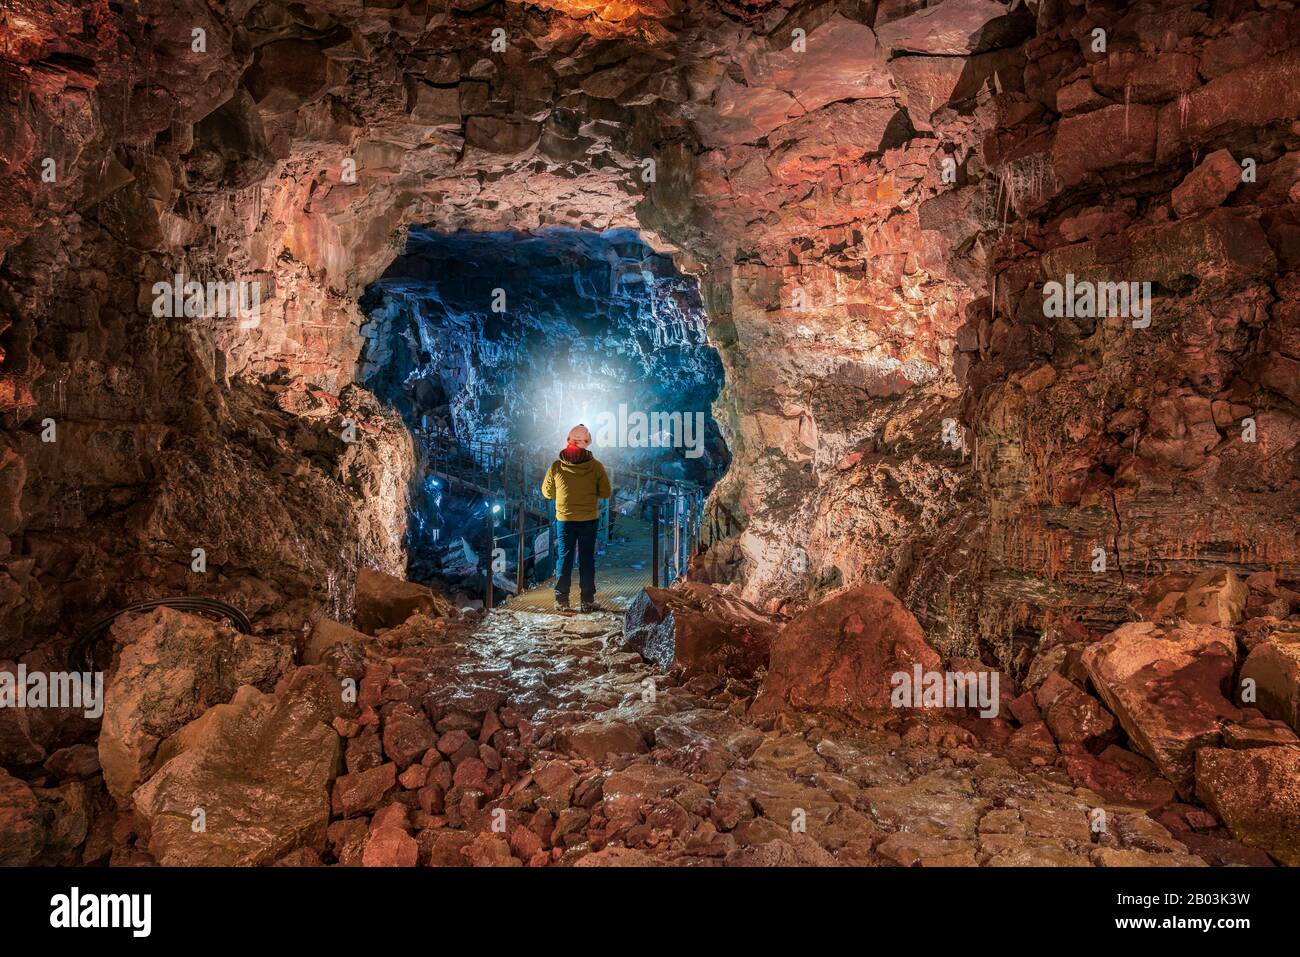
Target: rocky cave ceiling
<point x="871" y="196"/>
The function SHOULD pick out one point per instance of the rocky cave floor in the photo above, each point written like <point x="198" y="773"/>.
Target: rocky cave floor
<point x="546" y="717"/>
<point x="518" y="738"/>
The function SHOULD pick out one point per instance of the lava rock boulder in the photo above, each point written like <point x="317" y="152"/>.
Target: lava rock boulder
<point x="841" y="653"/>
<point x="697" y="627"/>
<point x="383" y="601"/>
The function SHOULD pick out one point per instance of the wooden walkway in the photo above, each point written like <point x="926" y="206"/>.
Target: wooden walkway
<point x="621" y="572"/>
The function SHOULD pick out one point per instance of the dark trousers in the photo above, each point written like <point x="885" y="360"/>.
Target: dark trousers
<point x="579" y="538"/>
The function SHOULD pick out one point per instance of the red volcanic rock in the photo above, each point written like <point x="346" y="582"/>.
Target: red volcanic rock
<point x="1215" y="597"/>
<point x="1113" y="136"/>
<point x="1256" y="793"/>
<point x="595" y="740"/>
<point x="1166" y="687"/>
<point x="383" y="601"/>
<point x="1258" y="732"/>
<point x="325" y="634"/>
<point x="77" y="761"/>
<point x="259" y="769"/>
<point x="955" y="27"/>
<point x="444" y="847"/>
<point x="1261" y="91"/>
<point x="1072" y="715"/>
<point x="1118" y="775"/>
<point x="1221" y="245"/>
<point x="452" y="741"/>
<point x="172" y="668"/>
<point x="388" y="846"/>
<point x="364" y="751"/>
<point x="524" y="844"/>
<point x="489" y="850"/>
<point x="840" y="62"/>
<point x="842" y="653"/>
<point x="363" y="791"/>
<point x="1280" y="374"/>
<point x="1208" y="185"/>
<point x="407" y="735"/>
<point x="556" y="780"/>
<point x="414" y="777"/>
<point x="1274" y="666"/>
<point x="929" y="83"/>
<point x="697" y="627"/>
<point x="471" y="773"/>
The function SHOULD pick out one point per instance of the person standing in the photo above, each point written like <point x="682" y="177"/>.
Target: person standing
<point x="577" y="482"/>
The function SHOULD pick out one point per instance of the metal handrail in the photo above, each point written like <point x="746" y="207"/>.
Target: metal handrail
<point x="513" y="474"/>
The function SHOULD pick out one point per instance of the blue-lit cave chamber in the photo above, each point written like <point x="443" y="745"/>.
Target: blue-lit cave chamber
<point x="492" y="346"/>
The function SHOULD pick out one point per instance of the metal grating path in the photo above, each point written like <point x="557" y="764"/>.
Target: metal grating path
<point x="621" y="572"/>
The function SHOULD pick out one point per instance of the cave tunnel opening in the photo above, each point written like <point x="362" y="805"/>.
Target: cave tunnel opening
<point x="492" y="345"/>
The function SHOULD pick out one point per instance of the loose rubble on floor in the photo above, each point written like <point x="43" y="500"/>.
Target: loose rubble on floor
<point x="516" y="739"/>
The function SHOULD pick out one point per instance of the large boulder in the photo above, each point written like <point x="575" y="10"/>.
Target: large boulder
<point x="383" y="601"/>
<point x="1216" y="597"/>
<point x="259" y="771"/>
<point x="171" y="669"/>
<point x="1072" y="716"/>
<point x="1274" y="666"/>
<point x="1166" y="685"/>
<point x="698" y="627"/>
<point x="1256" y="793"/>
<point x="843" y="652"/>
<point x="325" y="634"/>
<point x="407" y="734"/>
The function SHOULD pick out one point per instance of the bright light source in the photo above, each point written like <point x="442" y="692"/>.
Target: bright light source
<point x="496" y="508"/>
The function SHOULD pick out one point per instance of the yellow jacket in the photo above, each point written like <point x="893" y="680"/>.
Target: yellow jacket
<point x="576" y="488"/>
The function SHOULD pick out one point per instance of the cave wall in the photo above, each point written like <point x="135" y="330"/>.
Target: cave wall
<point x="861" y="290"/>
<point x="1093" y="433"/>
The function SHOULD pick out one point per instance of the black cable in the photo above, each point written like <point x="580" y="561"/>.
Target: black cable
<point x="81" y="655"/>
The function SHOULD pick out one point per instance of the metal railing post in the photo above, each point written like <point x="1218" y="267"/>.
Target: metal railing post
<point x="523" y="553"/>
<point x="654" y="545"/>
<point x="676" y="537"/>
<point x="491" y="548"/>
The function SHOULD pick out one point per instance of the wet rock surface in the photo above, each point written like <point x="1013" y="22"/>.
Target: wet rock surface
<point x="526" y="739"/>
<point x="553" y="749"/>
